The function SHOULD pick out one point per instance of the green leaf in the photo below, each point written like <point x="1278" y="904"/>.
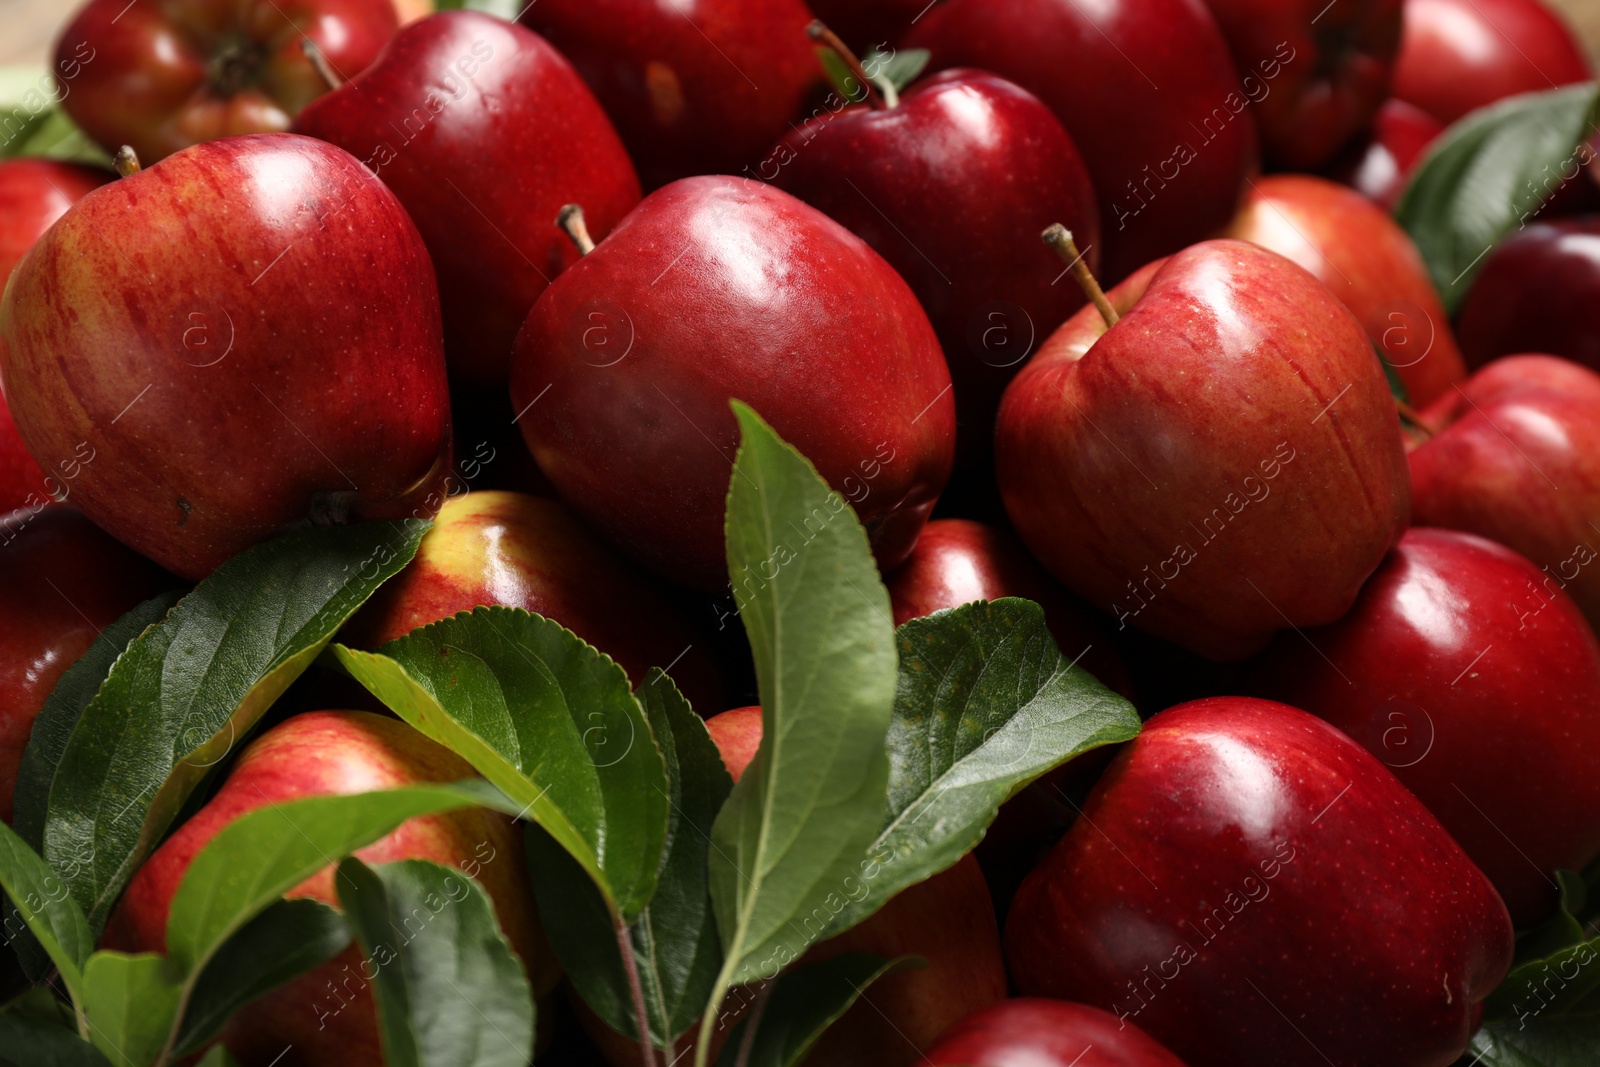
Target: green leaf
<point x="803" y="1004"/>
<point x="817" y="616"/>
<point x="505" y="9"/>
<point x="27" y="1041"/>
<point x="897" y="68"/>
<point x="986" y="703"/>
<point x="131" y="1002"/>
<point x="40" y="900"/>
<point x="194" y="684"/>
<point x="1489" y="174"/>
<point x="1563" y="929"/>
<point x="674" y="939"/>
<point x="1557" y="1042"/>
<point x="218" y="1056"/>
<point x="548" y="719"/>
<point x="285" y="941"/>
<point x="846" y="84"/>
<point x="449" y="989"/>
<point x="32" y="122"/>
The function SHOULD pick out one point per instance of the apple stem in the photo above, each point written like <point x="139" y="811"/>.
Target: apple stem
<point x="1059" y="238"/>
<point x="127" y="161"/>
<point x="818" y="31"/>
<point x="1416" y="418"/>
<point x="319" y="63"/>
<point x="630" y="967"/>
<point x="571" y="222"/>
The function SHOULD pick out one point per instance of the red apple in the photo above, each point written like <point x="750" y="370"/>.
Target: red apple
<point x="1378" y="165"/>
<point x="246" y="338"/>
<point x="327" y="1015"/>
<point x="737" y="735"/>
<point x="1514" y="459"/>
<point x="952" y="187"/>
<point x="1460" y="55"/>
<point x="869" y="24"/>
<point x="22" y="483"/>
<point x="700" y="88"/>
<point x="1474" y="681"/>
<point x="1537" y="292"/>
<point x="1224" y="461"/>
<point x="522" y="551"/>
<point x="1034" y="1032"/>
<point x="1250" y="887"/>
<point x="161" y="77"/>
<point x="484" y="132"/>
<point x="1359" y="252"/>
<point x="1148" y="92"/>
<point x="716" y="288"/>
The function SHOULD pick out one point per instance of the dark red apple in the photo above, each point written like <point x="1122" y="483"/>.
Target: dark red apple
<point x="1378" y="165"/>
<point x="484" y="132"/>
<point x="1539" y="291"/>
<point x="716" y="288"/>
<point x="163" y="76"/>
<point x="1460" y="55"/>
<point x="22" y="483"/>
<point x="869" y="24"/>
<point x="1148" y="92"/>
<point x="1474" y="681"/>
<point x="246" y="338"/>
<point x="1224" y="461"/>
<point x="952" y="187"/>
<point x="327" y="1015"/>
<point x="1035" y="1032"/>
<point x="700" y="88"/>
<point x="1250" y="887"/>
<point x="1359" y="252"/>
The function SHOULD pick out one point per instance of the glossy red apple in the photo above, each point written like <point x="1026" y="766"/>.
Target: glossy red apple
<point x="1378" y="165"/>
<point x="1473" y="680"/>
<point x="523" y="551"/>
<point x="1539" y="291"/>
<point x="952" y="186"/>
<point x="1317" y="71"/>
<point x="1359" y="252"/>
<point x="327" y="1015"/>
<point x="163" y="76"/>
<point x="717" y="288"/>
<point x="701" y="88"/>
<point x="246" y="337"/>
<point x="484" y="132"/>
<point x="1148" y="92"/>
<point x="22" y="483"/>
<point x="1035" y="1032"/>
<point x="1231" y="844"/>
<point x="1514" y="459"/>
<point x="1460" y="55"/>
<point x="1224" y="461"/>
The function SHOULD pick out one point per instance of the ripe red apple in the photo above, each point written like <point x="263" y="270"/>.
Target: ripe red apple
<point x="1537" y="292"/>
<point x="952" y="187"/>
<point x="1035" y="1032"/>
<point x="1250" y="887"/>
<point x="1460" y="55"/>
<point x="496" y="547"/>
<point x="1328" y="66"/>
<point x="700" y="88"/>
<point x="245" y="336"/>
<point x="1514" y="459"/>
<point x="22" y="483"/>
<point x="716" y="288"/>
<point x="1224" y="461"/>
<point x="327" y="1015"/>
<point x="1474" y="681"/>
<point x="1148" y="92"/>
<point x="161" y="77"/>
<point x="1378" y="165"/>
<point x="484" y="132"/>
<point x="1359" y="252"/>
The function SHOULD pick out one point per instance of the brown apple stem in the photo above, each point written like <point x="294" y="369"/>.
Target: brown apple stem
<point x="127" y="161"/>
<point x="818" y="31"/>
<point x="1415" y="418"/>
<point x="1059" y="238"/>
<point x="571" y="222"/>
<point x="641" y="1017"/>
<point x="319" y="63"/>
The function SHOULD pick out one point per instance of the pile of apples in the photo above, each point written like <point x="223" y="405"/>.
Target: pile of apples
<point x="1336" y="543"/>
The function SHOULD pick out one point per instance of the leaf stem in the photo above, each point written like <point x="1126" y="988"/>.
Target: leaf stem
<point x="748" y="1042"/>
<point x="719" y="991"/>
<point x="630" y="967"/>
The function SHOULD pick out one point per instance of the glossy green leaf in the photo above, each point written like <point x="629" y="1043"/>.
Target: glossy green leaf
<point x="899" y="68"/>
<point x="131" y="1002"/>
<point x="801" y="1007"/>
<point x="450" y="991"/>
<point x="1543" y="1042"/>
<point x="27" y="1041"/>
<point x="505" y="9"/>
<point x="548" y="719"/>
<point x="41" y="902"/>
<point x="33" y="123"/>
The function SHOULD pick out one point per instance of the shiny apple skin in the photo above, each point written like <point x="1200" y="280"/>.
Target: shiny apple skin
<point x="1036" y="1032"/>
<point x="694" y="88"/>
<point x="1297" y="837"/>
<point x="1233" y="378"/>
<point x="22" y="483"/>
<point x="1360" y="253"/>
<point x="1107" y="97"/>
<point x="484" y="178"/>
<point x="1539" y="291"/>
<point x="1515" y="461"/>
<point x="495" y="547"/>
<point x="1475" y="683"/>
<point x="1379" y="165"/>
<point x="332" y="753"/>
<point x="953" y="188"/>
<point x="246" y="336"/>
<point x="144" y="74"/>
<point x="1460" y="55"/>
<point x="717" y="288"/>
